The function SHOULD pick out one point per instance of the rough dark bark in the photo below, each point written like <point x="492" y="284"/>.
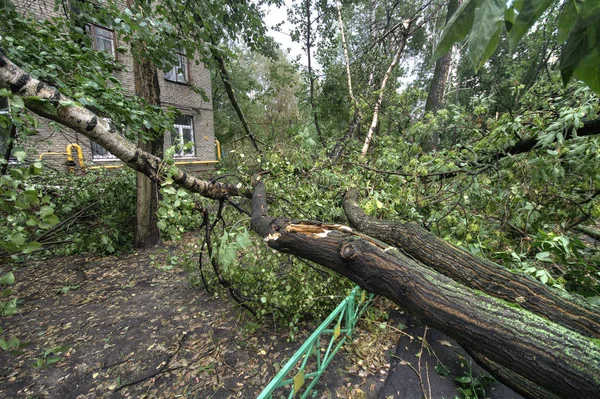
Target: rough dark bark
<point x="550" y="356"/>
<point x="100" y="130"/>
<point x="9" y="148"/>
<point x="589" y="128"/>
<point x="528" y="347"/>
<point x="477" y="273"/>
<point x="435" y="96"/>
<point x="147" y="233"/>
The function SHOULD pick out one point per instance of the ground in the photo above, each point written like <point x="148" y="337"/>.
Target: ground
<point x="125" y="327"/>
<point x="118" y="327"/>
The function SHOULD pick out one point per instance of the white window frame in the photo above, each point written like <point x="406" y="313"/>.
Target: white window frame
<point x="98" y="32"/>
<point x="182" y="148"/>
<point x="180" y="73"/>
<point x="100" y="153"/>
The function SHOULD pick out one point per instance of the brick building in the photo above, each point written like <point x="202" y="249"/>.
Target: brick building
<point x="193" y="131"/>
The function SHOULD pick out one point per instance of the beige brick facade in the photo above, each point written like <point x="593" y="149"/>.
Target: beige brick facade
<point x="178" y="95"/>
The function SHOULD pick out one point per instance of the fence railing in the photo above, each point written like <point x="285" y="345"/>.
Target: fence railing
<point x="301" y="373"/>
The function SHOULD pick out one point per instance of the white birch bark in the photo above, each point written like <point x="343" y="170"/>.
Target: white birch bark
<point x="382" y="87"/>
<point x="100" y="130"/>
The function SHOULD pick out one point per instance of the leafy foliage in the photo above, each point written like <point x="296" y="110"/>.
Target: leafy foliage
<point x="481" y="22"/>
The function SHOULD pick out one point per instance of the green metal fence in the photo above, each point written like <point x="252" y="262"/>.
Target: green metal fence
<point x="302" y="371"/>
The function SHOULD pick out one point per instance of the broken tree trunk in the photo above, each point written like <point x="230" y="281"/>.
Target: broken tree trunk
<point x="476" y="273"/>
<point x="535" y="356"/>
<point x="548" y="356"/>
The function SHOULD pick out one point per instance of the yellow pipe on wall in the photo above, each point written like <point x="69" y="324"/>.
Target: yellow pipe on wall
<point x="195" y="162"/>
<point x="42" y="155"/>
<point x="77" y="147"/>
<point x="79" y="154"/>
<point x="218" y="149"/>
<point x="106" y="167"/>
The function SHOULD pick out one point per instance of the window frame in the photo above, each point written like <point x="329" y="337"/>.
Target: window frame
<point x="97" y="155"/>
<point x="184" y="64"/>
<point x="180" y="149"/>
<point x="92" y="29"/>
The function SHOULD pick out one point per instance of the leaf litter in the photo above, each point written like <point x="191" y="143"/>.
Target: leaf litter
<point x="117" y="327"/>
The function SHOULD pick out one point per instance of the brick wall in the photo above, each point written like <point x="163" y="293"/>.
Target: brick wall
<point x="173" y="94"/>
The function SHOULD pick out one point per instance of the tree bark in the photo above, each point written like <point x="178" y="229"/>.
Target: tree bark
<point x="9" y="148"/>
<point x="546" y="354"/>
<point x="147" y="233"/>
<point x="589" y="128"/>
<point x="525" y="350"/>
<point x="476" y="273"/>
<point x="435" y="96"/>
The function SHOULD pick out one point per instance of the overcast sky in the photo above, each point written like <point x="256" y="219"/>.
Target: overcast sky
<point x="274" y="16"/>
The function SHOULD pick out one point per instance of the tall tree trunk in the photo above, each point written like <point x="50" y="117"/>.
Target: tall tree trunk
<point x="145" y="75"/>
<point x="147" y="233"/>
<point x="382" y="87"/>
<point x="435" y="97"/>
<point x="9" y="148"/>
<point x="338" y="149"/>
<point x="311" y="75"/>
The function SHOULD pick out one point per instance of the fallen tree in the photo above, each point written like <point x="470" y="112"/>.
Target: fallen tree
<point x="535" y="340"/>
<point x="529" y="353"/>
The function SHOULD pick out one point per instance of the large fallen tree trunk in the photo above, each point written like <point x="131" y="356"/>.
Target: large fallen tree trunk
<point x="535" y="356"/>
<point x="550" y="357"/>
<point x="477" y="273"/>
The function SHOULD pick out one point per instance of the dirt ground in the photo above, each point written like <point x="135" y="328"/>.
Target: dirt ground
<point x="120" y="327"/>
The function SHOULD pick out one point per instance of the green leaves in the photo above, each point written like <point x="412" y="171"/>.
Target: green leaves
<point x="529" y="12"/>
<point x="580" y="54"/>
<point x="7" y="279"/>
<point x="486" y="30"/>
<point x="457" y="28"/>
<point x="480" y="22"/>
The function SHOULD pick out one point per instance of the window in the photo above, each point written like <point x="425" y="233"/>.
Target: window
<point x="182" y="137"/>
<point x="100" y="153"/>
<point x="103" y="39"/>
<point x="180" y="72"/>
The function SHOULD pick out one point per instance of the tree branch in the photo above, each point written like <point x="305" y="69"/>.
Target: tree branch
<point x="100" y="130"/>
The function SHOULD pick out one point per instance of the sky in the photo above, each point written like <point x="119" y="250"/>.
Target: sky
<point x="274" y="16"/>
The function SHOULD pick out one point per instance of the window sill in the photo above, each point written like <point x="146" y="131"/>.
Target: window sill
<point x="115" y="159"/>
<point x="176" y="82"/>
